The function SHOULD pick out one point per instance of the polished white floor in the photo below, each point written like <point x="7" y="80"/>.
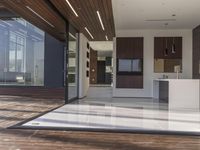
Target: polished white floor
<point x="131" y="114"/>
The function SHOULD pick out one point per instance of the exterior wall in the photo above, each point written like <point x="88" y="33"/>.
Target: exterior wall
<point x="83" y="79"/>
<point x="149" y="74"/>
<point x="54" y="62"/>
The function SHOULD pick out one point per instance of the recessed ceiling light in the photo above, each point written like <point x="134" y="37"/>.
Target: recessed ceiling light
<point x="72" y="8"/>
<point x="89" y="32"/>
<point x="40" y="16"/>
<point x="100" y="19"/>
<point x="106" y="37"/>
<point x="166" y="24"/>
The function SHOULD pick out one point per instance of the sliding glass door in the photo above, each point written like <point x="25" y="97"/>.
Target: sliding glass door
<point x="72" y="64"/>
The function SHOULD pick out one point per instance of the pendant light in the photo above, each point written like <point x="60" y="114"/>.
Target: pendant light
<point x="173" y="46"/>
<point x="166" y="49"/>
<point x="166" y="42"/>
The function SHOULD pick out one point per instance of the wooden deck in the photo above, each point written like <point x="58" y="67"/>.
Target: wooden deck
<point x="34" y="92"/>
<point x="16" y="109"/>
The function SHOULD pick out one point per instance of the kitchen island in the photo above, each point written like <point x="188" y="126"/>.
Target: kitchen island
<point x="180" y="94"/>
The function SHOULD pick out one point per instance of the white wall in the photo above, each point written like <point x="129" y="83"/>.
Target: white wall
<point x="83" y="80"/>
<point x="149" y="74"/>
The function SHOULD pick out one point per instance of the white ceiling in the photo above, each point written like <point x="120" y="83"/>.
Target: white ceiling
<point x="132" y="14"/>
<point x="102" y="45"/>
<point x="105" y="53"/>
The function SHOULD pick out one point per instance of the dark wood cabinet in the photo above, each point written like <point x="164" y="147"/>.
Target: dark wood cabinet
<point x="160" y="45"/>
<point x="196" y="53"/>
<point x="178" y="43"/>
<point x="129" y="81"/>
<point x="129" y="48"/>
<point x="138" y="48"/>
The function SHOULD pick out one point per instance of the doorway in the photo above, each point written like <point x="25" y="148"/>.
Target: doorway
<point x="101" y="74"/>
<point x="101" y="68"/>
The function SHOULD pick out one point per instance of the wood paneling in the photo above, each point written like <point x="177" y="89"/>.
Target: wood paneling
<point x="129" y="48"/>
<point x="35" y="92"/>
<point x="86" y="9"/>
<point x="129" y="81"/>
<point x="196" y="53"/>
<point x="93" y="66"/>
<point x="160" y="44"/>
<point x="159" y="47"/>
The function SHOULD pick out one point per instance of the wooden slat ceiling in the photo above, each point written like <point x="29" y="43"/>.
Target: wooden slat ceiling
<point x="86" y="10"/>
<point x="6" y="14"/>
<point x="87" y="16"/>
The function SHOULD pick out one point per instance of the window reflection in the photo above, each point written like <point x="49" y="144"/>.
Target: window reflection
<point x="21" y="53"/>
<point x="73" y="64"/>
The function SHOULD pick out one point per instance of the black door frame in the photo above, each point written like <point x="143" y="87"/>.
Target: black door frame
<point x="66" y="62"/>
<point x="66" y="54"/>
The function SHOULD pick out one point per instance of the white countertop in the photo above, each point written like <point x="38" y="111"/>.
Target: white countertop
<point x="182" y="93"/>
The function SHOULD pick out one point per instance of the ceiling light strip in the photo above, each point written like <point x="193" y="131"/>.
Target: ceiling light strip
<point x="89" y="32"/>
<point x="100" y="19"/>
<point x="40" y="16"/>
<point x="106" y="37"/>
<point x="72" y="8"/>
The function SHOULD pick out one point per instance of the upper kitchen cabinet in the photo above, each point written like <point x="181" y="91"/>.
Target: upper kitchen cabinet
<point x="130" y="47"/>
<point x="167" y="54"/>
<point x="168" y="47"/>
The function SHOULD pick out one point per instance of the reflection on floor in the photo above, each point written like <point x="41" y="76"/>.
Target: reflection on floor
<point x="104" y="92"/>
<point x="72" y="91"/>
<point x="120" y="114"/>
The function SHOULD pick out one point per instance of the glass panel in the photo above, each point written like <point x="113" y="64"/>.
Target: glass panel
<point x="167" y="65"/>
<point x="136" y="65"/>
<point x="129" y="65"/>
<point x="73" y="65"/>
<point x="124" y="65"/>
<point x="21" y="53"/>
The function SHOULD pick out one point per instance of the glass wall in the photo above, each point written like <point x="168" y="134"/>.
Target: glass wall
<point x="73" y="64"/>
<point x="21" y="53"/>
